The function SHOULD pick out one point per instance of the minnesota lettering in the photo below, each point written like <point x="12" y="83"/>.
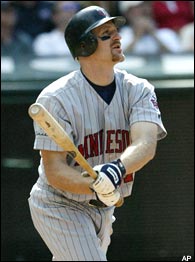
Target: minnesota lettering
<point x="112" y="141"/>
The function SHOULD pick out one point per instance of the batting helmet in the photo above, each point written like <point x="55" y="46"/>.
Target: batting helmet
<point x="79" y="38"/>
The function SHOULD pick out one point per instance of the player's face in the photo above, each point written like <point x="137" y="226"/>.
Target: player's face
<point x="109" y="44"/>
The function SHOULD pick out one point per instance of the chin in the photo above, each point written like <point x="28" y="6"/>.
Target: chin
<point x="118" y="58"/>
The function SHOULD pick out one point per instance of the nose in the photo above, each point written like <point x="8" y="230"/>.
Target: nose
<point x="116" y="35"/>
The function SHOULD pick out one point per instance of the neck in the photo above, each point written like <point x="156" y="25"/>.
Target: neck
<point x="98" y="74"/>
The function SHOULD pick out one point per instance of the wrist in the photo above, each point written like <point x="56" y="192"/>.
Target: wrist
<point x="120" y="165"/>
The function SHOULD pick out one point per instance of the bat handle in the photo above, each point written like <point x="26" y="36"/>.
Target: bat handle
<point x="120" y="202"/>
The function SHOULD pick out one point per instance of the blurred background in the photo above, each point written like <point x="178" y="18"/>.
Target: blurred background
<point x="157" y="222"/>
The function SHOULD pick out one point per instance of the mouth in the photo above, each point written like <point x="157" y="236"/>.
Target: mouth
<point x="117" y="46"/>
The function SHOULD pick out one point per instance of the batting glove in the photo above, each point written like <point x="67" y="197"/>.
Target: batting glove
<point x="109" y="199"/>
<point x="109" y="177"/>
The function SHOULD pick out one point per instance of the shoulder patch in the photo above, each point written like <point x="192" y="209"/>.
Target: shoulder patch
<point x="154" y="101"/>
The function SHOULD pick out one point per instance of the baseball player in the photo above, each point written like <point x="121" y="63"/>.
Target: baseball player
<point x="114" y="120"/>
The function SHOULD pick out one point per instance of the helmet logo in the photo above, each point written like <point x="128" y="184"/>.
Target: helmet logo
<point x="102" y="13"/>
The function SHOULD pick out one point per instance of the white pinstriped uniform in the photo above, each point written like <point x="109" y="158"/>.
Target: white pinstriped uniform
<point x="72" y="230"/>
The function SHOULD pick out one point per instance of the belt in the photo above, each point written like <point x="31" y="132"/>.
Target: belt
<point x="96" y="203"/>
<point x="91" y="202"/>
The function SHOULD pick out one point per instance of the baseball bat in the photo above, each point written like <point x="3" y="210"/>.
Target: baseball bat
<point x="55" y="131"/>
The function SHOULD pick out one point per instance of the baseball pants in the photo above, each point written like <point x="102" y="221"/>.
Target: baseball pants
<point x="73" y="231"/>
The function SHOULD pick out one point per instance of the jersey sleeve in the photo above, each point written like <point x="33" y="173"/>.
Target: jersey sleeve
<point x="42" y="140"/>
<point x="144" y="106"/>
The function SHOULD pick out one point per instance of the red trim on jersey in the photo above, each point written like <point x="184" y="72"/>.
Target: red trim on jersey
<point x="128" y="178"/>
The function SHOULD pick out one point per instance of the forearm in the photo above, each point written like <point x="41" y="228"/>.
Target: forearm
<point x="137" y="155"/>
<point x="70" y="180"/>
<point x="62" y="176"/>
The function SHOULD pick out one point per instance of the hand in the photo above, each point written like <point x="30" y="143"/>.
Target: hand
<point x="109" y="177"/>
<point x="109" y="199"/>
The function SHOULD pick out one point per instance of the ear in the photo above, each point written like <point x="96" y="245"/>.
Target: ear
<point x="88" y="44"/>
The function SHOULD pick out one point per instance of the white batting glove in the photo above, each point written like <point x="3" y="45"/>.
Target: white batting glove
<point x="109" y="177"/>
<point x="109" y="199"/>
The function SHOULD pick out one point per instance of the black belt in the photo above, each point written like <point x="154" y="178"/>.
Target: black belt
<point x="96" y="203"/>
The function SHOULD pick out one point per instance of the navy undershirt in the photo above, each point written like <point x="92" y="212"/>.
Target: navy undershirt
<point x="106" y="92"/>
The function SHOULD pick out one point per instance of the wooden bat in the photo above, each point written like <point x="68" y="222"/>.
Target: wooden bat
<point x="55" y="131"/>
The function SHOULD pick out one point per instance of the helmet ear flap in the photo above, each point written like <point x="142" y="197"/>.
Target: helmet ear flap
<point x="87" y="45"/>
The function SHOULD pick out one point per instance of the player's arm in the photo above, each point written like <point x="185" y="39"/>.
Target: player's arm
<point x="142" y="148"/>
<point x="61" y="176"/>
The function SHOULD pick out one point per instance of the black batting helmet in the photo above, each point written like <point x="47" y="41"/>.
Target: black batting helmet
<point x="79" y="38"/>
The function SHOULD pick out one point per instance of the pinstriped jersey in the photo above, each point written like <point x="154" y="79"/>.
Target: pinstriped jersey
<point x="101" y="131"/>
